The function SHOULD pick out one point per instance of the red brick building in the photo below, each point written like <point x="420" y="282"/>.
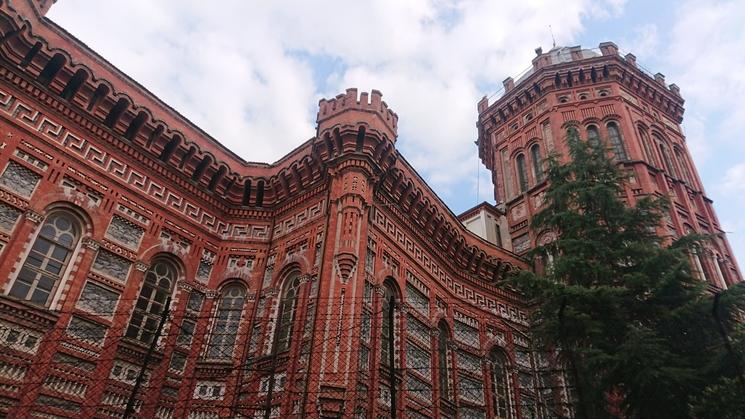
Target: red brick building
<point x="331" y="283"/>
<point x="293" y="286"/>
<point x="601" y="95"/>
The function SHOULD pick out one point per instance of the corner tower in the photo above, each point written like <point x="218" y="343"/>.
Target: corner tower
<point x="603" y="95"/>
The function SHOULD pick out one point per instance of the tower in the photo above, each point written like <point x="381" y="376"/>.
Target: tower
<point x="602" y="95"/>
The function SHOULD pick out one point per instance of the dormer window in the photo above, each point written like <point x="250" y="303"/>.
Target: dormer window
<point x="563" y="99"/>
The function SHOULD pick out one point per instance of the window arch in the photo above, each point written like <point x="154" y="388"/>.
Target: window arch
<point x="387" y="326"/>
<point x="522" y="174"/>
<point x="695" y="259"/>
<point x="665" y="152"/>
<point x="593" y="137"/>
<point x="443" y="333"/>
<point x="535" y="156"/>
<point x="227" y="319"/>
<point x="47" y="261"/>
<point x="686" y="171"/>
<point x="721" y="267"/>
<point x="159" y="282"/>
<point x="287" y="312"/>
<point x="646" y="145"/>
<point x="501" y="384"/>
<point x="616" y="143"/>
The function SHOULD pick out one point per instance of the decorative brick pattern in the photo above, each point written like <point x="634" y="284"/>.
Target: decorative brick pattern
<point x="111" y="265"/>
<point x="125" y="232"/>
<point x="8" y="217"/>
<point x="19" y="179"/>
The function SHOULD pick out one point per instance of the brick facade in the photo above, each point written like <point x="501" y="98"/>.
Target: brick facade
<point x="606" y="96"/>
<point x="279" y="276"/>
<point x="290" y="287"/>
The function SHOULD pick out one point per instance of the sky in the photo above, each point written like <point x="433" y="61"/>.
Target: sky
<point x="251" y="73"/>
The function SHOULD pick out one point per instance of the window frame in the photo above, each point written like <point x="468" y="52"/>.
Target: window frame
<point x="231" y="322"/>
<point x="150" y="317"/>
<point x="616" y="141"/>
<point x="537" y="160"/>
<point x="501" y="403"/>
<point x="287" y="314"/>
<point x="35" y="253"/>
<point x="522" y="173"/>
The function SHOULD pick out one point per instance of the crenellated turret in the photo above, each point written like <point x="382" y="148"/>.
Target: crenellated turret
<point x="348" y="109"/>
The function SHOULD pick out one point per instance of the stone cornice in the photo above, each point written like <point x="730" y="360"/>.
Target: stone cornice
<point x="514" y="102"/>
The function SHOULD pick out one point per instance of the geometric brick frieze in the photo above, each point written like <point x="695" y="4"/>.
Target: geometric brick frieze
<point x="111" y="166"/>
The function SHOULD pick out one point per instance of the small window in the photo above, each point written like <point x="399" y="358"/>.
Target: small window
<point x="584" y="96"/>
<point x="522" y="174"/>
<point x="563" y="99"/>
<point x="186" y="334"/>
<point x="535" y="156"/>
<point x="616" y="143"/>
<point x="593" y="137"/>
<point x="603" y="93"/>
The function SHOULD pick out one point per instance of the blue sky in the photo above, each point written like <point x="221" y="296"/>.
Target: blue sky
<point x="251" y="72"/>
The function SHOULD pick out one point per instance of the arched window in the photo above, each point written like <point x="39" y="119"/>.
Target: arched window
<point x="616" y="143"/>
<point x="669" y="166"/>
<point x="170" y="148"/>
<point x="686" y="171"/>
<point x="501" y="388"/>
<point x="522" y="174"/>
<point x="535" y="156"/>
<point x="592" y="135"/>
<point x="646" y="145"/>
<point x="387" y="327"/>
<point x="48" y="258"/>
<point x="228" y="316"/>
<point x="697" y="267"/>
<point x="72" y="87"/>
<point x="49" y="72"/>
<point x="721" y="267"/>
<point x="443" y="333"/>
<point x="156" y="289"/>
<point x="287" y="309"/>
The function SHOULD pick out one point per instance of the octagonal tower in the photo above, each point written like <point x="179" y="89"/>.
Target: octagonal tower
<point x="605" y="95"/>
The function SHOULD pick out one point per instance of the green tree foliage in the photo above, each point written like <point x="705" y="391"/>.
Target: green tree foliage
<point x="622" y="307"/>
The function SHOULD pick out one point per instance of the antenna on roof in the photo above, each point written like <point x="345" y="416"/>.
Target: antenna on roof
<point x="552" y="35"/>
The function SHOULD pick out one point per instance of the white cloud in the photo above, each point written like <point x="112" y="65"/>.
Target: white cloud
<point x="243" y="71"/>
<point x="704" y="55"/>
<point x="644" y="41"/>
<point x="734" y="179"/>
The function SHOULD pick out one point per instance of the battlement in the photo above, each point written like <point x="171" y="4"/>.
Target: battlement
<point x="348" y="108"/>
